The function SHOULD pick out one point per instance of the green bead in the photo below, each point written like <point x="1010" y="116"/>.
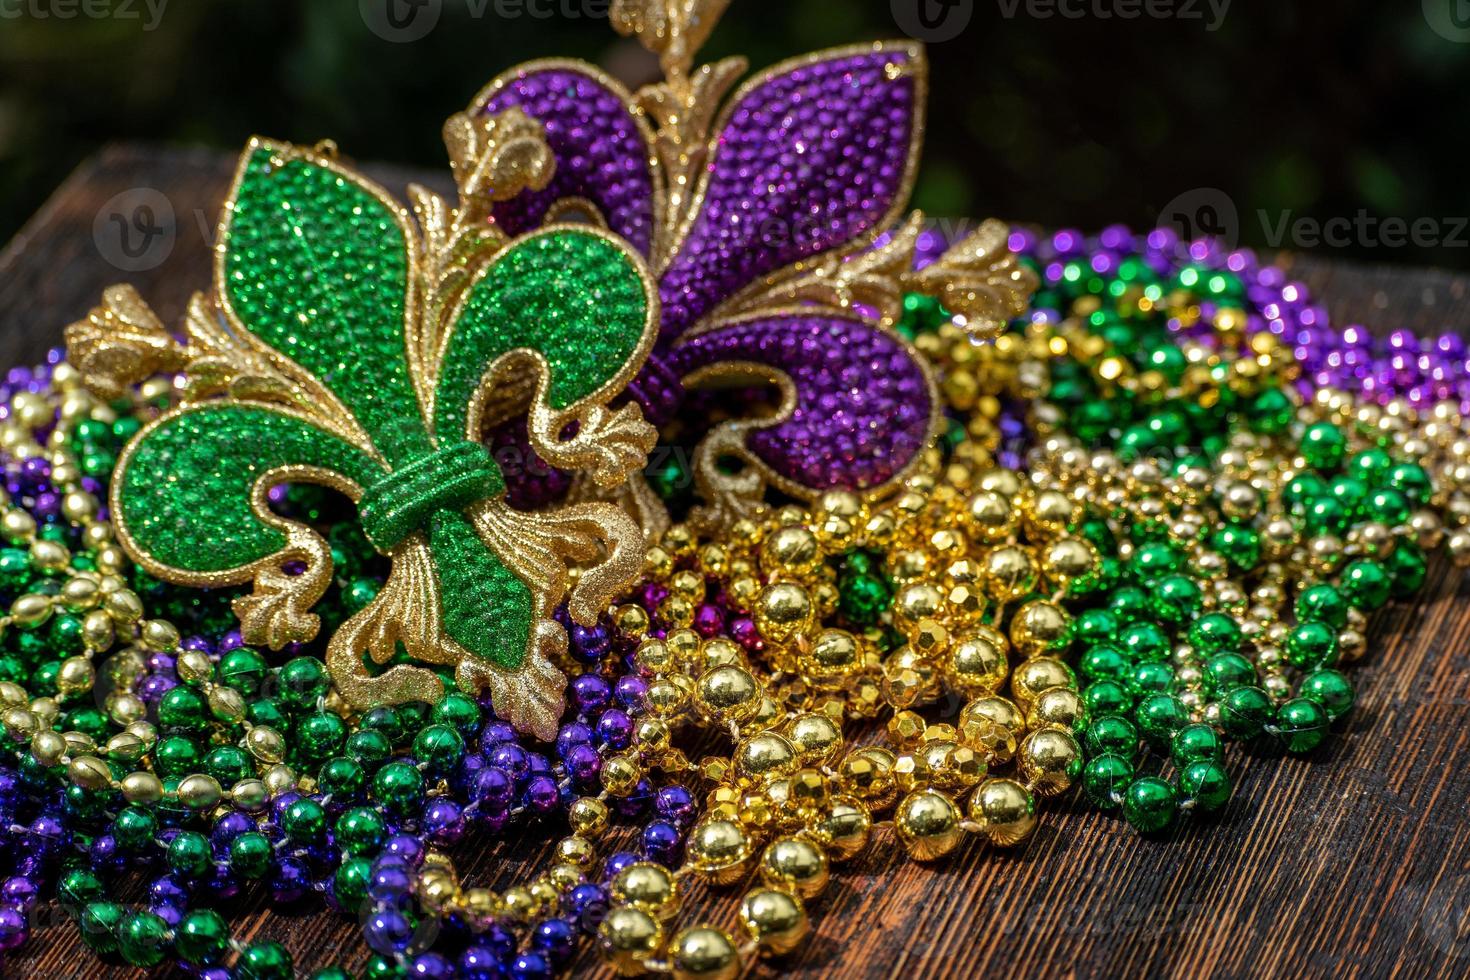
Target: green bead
<point x="1106" y="698"/>
<point x="1112" y="735"/>
<point x="270" y="712"/>
<point x="1352" y="493"/>
<point x="229" y="764"/>
<point x="1325" y="515"/>
<point x="202" y="938"/>
<point x="1225" y="671"/>
<point x="369" y="748"/>
<point x="863" y="597"/>
<point x="361" y="830"/>
<point x="1105" y="778"/>
<point x="176" y="756"/>
<point x="1195" y="743"/>
<point x="133" y="828"/>
<point x="1387" y="506"/>
<point x="359" y="594"/>
<point x="189" y="854"/>
<point x="89" y="721"/>
<point x="101" y="925"/>
<point x="304" y="681"/>
<point x="1239" y="545"/>
<point x="1301" y="489"/>
<point x="1322" y="603"/>
<point x="1365" y="584"/>
<point x="1270" y="412"/>
<point x="76" y="888"/>
<point x="250" y="855"/>
<point x="1412" y="481"/>
<point x="1215" y="633"/>
<point x="1150" y="804"/>
<point x="1160" y="716"/>
<point x="1150" y="678"/>
<point x="1323" y="446"/>
<point x="1301" y="724"/>
<point x="143" y="939"/>
<point x="1331" y="689"/>
<point x="385" y="721"/>
<point x="1153" y="561"/>
<point x="343" y="778"/>
<point x="1407" y="568"/>
<point x="1311" y="644"/>
<point x="244" y="670"/>
<point x="399" y="787"/>
<point x="383" y="968"/>
<point x="1245" y="711"/>
<point x="350" y="883"/>
<point x="182" y="708"/>
<point x="1092" y="420"/>
<point x="304" y="821"/>
<point x="439" y="748"/>
<point x="1103" y="661"/>
<point x="459" y="712"/>
<point x="1371" y="466"/>
<point x="1176" y="598"/>
<point x="264" y="960"/>
<point x="1130" y="604"/>
<point x="1205" y="784"/>
<point x="319" y="736"/>
<point x="1094" y="626"/>
<point x="65" y="634"/>
<point x="1145" y="642"/>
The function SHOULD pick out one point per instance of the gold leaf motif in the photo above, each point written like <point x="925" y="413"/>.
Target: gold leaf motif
<point x="672" y="29"/>
<point x="609" y="443"/>
<point x="980" y="279"/>
<point x="495" y="157"/>
<point x="278" y="611"/>
<point x="121" y="343"/>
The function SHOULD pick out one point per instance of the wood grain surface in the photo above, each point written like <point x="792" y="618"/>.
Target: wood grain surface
<point x="1353" y="861"/>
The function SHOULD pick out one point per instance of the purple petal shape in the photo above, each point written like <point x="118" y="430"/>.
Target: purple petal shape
<point x="602" y="151"/>
<point x="810" y="157"/>
<point x="863" y="408"/>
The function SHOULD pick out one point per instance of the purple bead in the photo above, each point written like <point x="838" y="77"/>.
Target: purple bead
<point x="662" y="843"/>
<point x="587" y="904"/>
<point x="443" y="822"/>
<point x="228" y="827"/>
<point x="20" y="892"/>
<point x="557" y="938"/>
<point x="479" y="963"/>
<point x="630" y="691"/>
<point x="616" y="863"/>
<point x="615" y="729"/>
<point x="512" y="759"/>
<point x="494" y="788"/>
<point x="387" y="931"/>
<point x="584" y="764"/>
<point x="13" y="928"/>
<point x="590" y="692"/>
<point x="389" y="882"/>
<point x="105" y="856"/>
<point x="430" y="966"/>
<point x="405" y="850"/>
<point x="675" y="804"/>
<point x="532" y="966"/>
<point x="541" y="795"/>
<point x="290" y="880"/>
<point x="495" y="734"/>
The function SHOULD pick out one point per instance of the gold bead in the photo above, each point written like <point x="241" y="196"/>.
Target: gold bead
<point x="765" y="755"/>
<point x="1039" y="674"/>
<point x="702" y="953"/>
<point x="1067" y="559"/>
<point x="620" y="775"/>
<point x="834" y="654"/>
<point x="576" y="850"/>
<point x="928" y="824"/>
<point x="47" y="748"/>
<point x="1038" y="625"/>
<point x="98" y="632"/>
<point x="588" y="817"/>
<point x="627" y="937"/>
<point x="250" y="795"/>
<point x="281" y="779"/>
<point x="796" y="864"/>
<point x="976" y="665"/>
<point x="906" y="728"/>
<point x="437" y="890"/>
<point x="920" y="600"/>
<point x="868" y="775"/>
<point x="993" y="726"/>
<point x="1061" y="707"/>
<point x="1050" y="760"/>
<point x="783" y="611"/>
<point x="729" y="693"/>
<point x="631" y="619"/>
<point x="124" y="606"/>
<point x="775" y="920"/>
<point x="1010" y="573"/>
<point x="816" y="737"/>
<point x="199" y="791"/>
<point x="89" y="772"/>
<point x="720" y="652"/>
<point x="649" y="887"/>
<point x="76" y="675"/>
<point x="989" y="518"/>
<point x="31" y="610"/>
<point x="719" y="850"/>
<point x="142" y="787"/>
<point x="1005" y="811"/>
<point x="265" y="744"/>
<point x="791" y="551"/>
<point x="195" y="667"/>
<point x="21" y="723"/>
<point x="519" y="904"/>
<point x="845" y="829"/>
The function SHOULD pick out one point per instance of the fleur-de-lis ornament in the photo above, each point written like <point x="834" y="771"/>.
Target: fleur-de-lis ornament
<point x="346" y="346"/>
<point x="773" y="222"/>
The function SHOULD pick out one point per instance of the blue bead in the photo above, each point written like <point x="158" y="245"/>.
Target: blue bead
<point x="532" y="966"/>
<point x="387" y="931"/>
<point x="430" y="966"/>
<point x="557" y="938"/>
<point x="479" y="963"/>
<point x="617" y="862"/>
<point x="661" y="842"/>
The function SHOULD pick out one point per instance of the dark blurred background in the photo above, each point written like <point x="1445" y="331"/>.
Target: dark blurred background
<point x="1309" y="125"/>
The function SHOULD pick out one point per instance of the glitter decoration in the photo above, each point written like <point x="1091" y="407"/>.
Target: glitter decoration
<point x="780" y="209"/>
<point x="356" y="352"/>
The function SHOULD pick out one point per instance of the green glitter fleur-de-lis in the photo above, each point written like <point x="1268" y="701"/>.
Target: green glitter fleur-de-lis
<point x="345" y="347"/>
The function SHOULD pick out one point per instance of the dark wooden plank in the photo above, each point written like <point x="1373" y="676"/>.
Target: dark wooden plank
<point x="1354" y="861"/>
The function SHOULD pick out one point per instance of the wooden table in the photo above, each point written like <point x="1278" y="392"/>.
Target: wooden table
<point x="1353" y="861"/>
